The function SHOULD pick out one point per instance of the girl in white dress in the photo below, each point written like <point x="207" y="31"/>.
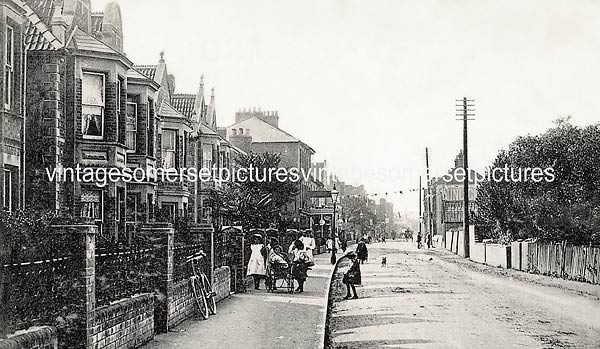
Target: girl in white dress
<point x="256" y="266"/>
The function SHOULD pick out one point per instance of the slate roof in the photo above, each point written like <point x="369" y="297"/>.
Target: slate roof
<point x="263" y="132"/>
<point x="38" y="35"/>
<point x="168" y="111"/>
<point x="135" y="74"/>
<point x="40" y="39"/>
<point x="43" y="8"/>
<point x="184" y="103"/>
<point x="87" y="42"/>
<point x="148" y="70"/>
<point x="205" y="130"/>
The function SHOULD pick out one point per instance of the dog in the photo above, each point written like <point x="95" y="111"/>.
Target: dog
<point x="383" y="261"/>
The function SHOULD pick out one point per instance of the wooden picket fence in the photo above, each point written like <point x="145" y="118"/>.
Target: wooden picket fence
<point x="580" y="263"/>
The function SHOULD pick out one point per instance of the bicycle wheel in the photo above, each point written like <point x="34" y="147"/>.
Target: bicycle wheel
<point x="198" y="292"/>
<point x="209" y="295"/>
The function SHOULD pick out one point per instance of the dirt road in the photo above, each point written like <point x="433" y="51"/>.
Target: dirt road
<point x="434" y="299"/>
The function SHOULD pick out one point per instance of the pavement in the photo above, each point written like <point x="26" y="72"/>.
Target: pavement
<point x="435" y="299"/>
<point x="259" y="319"/>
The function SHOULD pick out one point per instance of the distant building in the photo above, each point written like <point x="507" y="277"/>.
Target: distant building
<point x="444" y="200"/>
<point x="256" y="131"/>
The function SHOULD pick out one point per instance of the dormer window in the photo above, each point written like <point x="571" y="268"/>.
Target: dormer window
<point x="92" y="105"/>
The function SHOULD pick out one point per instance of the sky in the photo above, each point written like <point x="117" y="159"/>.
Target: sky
<point x="370" y="84"/>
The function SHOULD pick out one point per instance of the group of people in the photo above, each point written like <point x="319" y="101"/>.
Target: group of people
<point x="427" y="238"/>
<point x="336" y="244"/>
<point x="299" y="253"/>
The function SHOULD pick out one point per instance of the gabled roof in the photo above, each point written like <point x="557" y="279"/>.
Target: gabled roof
<point x="38" y="35"/>
<point x="205" y="130"/>
<point x="262" y="132"/>
<point x="184" y="103"/>
<point x="133" y="74"/>
<point x="40" y="39"/>
<point x="148" y="70"/>
<point x="167" y="110"/>
<point x="43" y="8"/>
<point x="86" y="42"/>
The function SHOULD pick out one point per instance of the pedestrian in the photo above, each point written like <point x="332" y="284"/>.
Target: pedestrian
<point x="344" y="244"/>
<point x="352" y="277"/>
<point x="300" y="265"/>
<point x="428" y="240"/>
<point x="329" y="244"/>
<point x="361" y="251"/>
<point x="257" y="264"/>
<point x="419" y="240"/>
<point x="309" y="246"/>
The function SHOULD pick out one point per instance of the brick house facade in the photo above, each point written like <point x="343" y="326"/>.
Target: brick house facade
<point x="13" y="24"/>
<point x="70" y="98"/>
<point x="258" y="131"/>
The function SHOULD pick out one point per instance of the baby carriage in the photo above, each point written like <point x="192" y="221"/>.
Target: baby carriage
<point x="279" y="272"/>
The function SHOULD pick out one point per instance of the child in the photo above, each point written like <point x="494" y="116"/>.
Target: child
<point x="352" y="276"/>
<point x="300" y="261"/>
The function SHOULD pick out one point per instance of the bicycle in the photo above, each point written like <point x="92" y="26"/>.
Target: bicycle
<point x="202" y="290"/>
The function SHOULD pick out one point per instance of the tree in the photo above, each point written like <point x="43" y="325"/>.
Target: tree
<point x="564" y="209"/>
<point x="359" y="212"/>
<point x="255" y="203"/>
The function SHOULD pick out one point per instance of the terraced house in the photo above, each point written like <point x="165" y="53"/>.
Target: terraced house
<point x="76" y="108"/>
<point x="84" y="104"/>
<point x="187" y="138"/>
<point x="19" y="26"/>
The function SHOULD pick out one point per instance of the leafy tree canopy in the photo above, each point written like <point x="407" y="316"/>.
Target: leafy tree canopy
<point x="565" y="209"/>
<point x="256" y="203"/>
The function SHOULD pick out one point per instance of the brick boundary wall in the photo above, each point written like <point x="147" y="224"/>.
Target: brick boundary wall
<point x="128" y="323"/>
<point x="222" y="284"/>
<point x="35" y="338"/>
<point x="182" y="305"/>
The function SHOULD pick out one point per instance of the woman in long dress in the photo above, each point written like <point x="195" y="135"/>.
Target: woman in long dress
<point x="309" y="246"/>
<point x="300" y="261"/>
<point x="256" y="265"/>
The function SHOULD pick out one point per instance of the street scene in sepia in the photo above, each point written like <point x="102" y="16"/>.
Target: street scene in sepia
<point x="316" y="174"/>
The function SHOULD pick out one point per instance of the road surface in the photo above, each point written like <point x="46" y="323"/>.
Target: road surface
<point x="434" y="299"/>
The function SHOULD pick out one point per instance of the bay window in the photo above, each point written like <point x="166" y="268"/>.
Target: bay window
<point x="93" y="103"/>
<point x="207" y="159"/>
<point x="131" y="126"/>
<point x="91" y="204"/>
<point x="169" y="144"/>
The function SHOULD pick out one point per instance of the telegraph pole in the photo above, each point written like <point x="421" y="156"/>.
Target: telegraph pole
<point x="429" y="214"/>
<point x="420" y="211"/>
<point x="466" y="110"/>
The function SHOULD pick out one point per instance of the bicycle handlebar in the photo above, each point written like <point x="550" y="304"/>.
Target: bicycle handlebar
<point x="198" y="256"/>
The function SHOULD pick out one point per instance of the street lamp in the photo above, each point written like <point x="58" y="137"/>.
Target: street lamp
<point x="334" y="196"/>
